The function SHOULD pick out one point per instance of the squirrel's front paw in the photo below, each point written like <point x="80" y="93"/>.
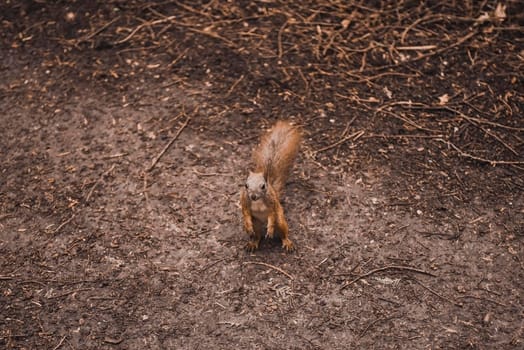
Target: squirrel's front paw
<point x="287" y="245"/>
<point x="251" y="246"/>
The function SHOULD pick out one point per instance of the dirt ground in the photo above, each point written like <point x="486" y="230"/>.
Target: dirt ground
<point x="127" y="130"/>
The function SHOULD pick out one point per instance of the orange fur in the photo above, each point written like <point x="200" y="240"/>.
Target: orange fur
<point x="260" y="200"/>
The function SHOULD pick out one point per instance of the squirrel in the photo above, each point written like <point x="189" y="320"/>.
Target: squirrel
<point x="260" y="198"/>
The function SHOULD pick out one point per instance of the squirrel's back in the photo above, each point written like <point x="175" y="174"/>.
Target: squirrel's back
<point x="276" y="153"/>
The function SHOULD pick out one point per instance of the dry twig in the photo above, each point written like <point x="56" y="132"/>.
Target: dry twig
<point x="90" y="193"/>
<point x="157" y="158"/>
<point x="480" y="159"/>
<point x="385" y="268"/>
<point x="64" y="223"/>
<point x="437" y="294"/>
<point x="371" y="324"/>
<point x="60" y="343"/>
<point x="353" y="136"/>
<point x="145" y="24"/>
<point x="270" y="266"/>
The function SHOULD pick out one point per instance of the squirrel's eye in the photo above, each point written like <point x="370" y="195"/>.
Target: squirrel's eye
<point x="263" y="186"/>
<point x="245" y="185"/>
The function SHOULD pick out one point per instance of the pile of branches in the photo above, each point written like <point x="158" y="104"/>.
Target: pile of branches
<point x="368" y="57"/>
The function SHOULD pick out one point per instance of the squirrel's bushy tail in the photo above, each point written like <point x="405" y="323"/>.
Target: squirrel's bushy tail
<point x="276" y="153"/>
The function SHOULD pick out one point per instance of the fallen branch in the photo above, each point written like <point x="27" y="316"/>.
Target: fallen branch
<point x="480" y="159"/>
<point x="418" y="105"/>
<point x="234" y="85"/>
<point x="146" y="24"/>
<point x="354" y="136"/>
<point x="279" y="41"/>
<point x="96" y="32"/>
<point x="385" y="268"/>
<point x="90" y="193"/>
<point x="371" y="324"/>
<point x="59" y="343"/>
<point x="484" y="299"/>
<point x="459" y="42"/>
<point x="63" y="224"/>
<point x="271" y="267"/>
<point x="437" y="294"/>
<point x="157" y="158"/>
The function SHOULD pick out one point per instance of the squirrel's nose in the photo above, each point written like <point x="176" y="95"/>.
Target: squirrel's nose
<point x="253" y="197"/>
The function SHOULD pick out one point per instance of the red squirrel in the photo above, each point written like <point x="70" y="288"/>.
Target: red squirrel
<point x="260" y="198"/>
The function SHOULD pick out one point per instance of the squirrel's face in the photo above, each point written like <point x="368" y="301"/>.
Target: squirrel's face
<point x="256" y="186"/>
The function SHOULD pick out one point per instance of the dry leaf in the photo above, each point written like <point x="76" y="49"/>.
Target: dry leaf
<point x="483" y="17"/>
<point x="500" y="12"/>
<point x="345" y="23"/>
<point x="442" y="100"/>
<point x="388" y="93"/>
<point x="450" y="330"/>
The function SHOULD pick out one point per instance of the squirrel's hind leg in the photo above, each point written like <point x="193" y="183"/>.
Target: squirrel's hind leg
<point x="284" y="231"/>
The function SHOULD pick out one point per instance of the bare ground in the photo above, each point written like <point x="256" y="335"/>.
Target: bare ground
<point x="405" y="205"/>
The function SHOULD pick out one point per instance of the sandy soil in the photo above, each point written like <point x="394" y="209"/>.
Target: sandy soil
<point x="406" y="203"/>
